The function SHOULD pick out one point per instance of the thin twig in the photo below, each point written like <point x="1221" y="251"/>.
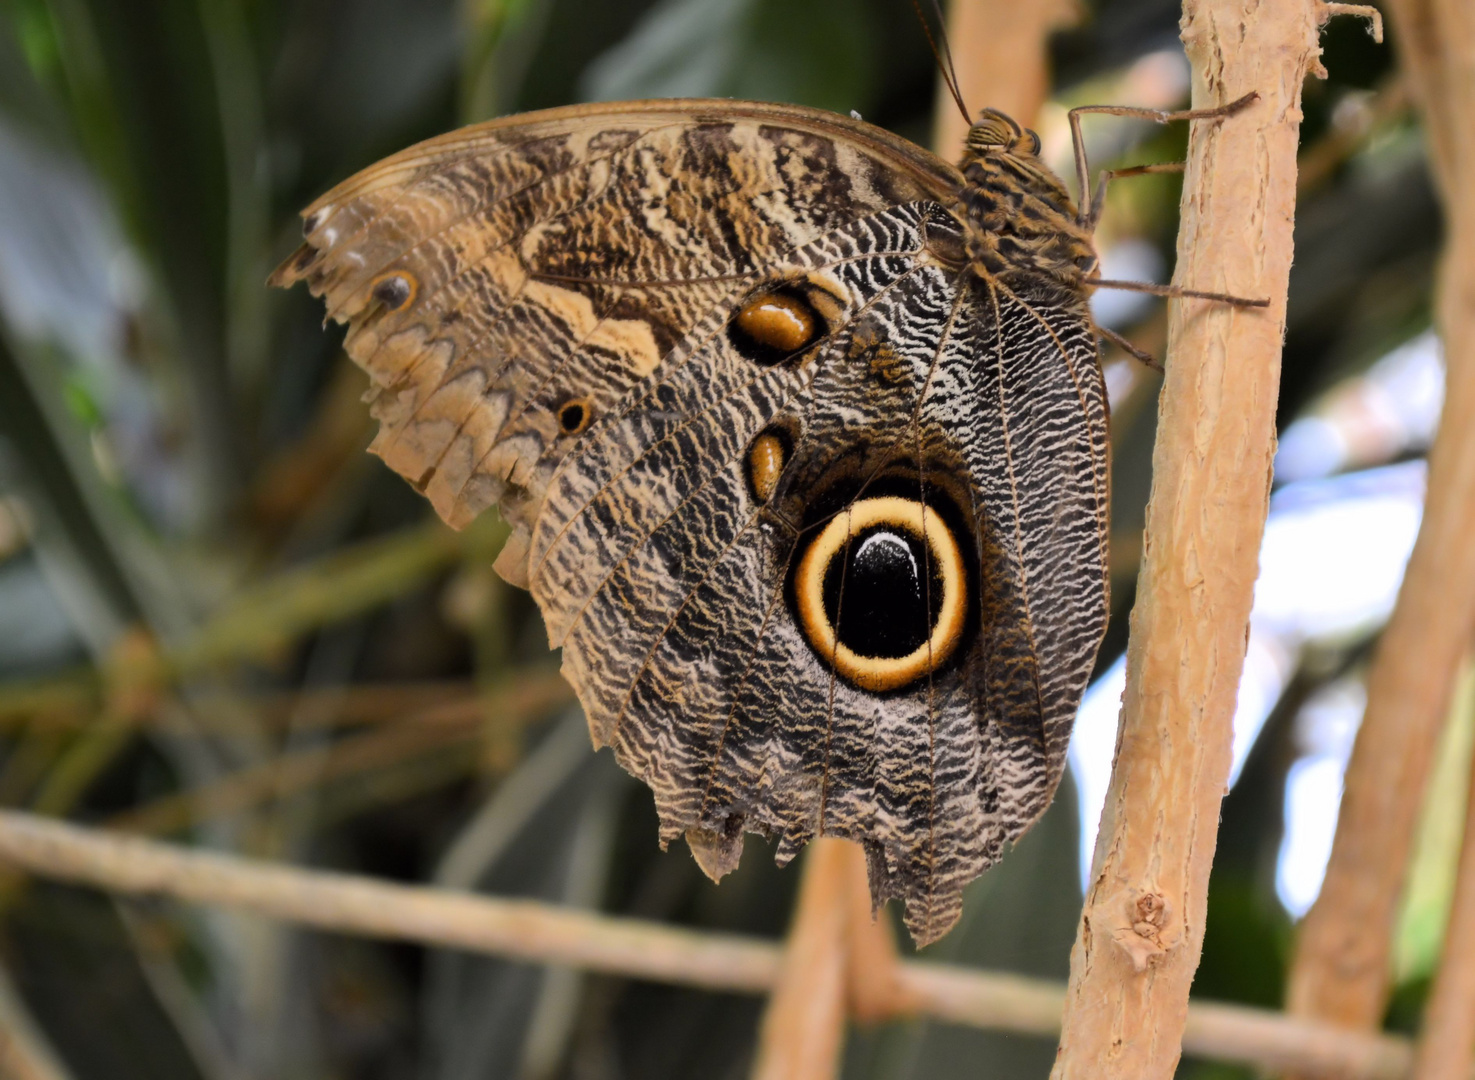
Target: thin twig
<point x="1364" y="11"/>
<point x="215" y="712"/>
<point x="1447" y="1038"/>
<point x="272" y="613"/>
<point x="433" y="730"/>
<point x="1341" y="969"/>
<point x="542" y="933"/>
<point x="1142" y="926"/>
<point x="873" y="969"/>
<point x="289" y="775"/>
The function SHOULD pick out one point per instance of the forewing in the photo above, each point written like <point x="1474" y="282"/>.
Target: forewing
<point x="495" y="275"/>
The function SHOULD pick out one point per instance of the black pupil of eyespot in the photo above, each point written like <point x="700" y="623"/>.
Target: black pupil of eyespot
<point x="882" y="592"/>
<point x="571" y="417"/>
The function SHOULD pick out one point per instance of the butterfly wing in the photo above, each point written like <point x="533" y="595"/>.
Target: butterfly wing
<point x="594" y="260"/>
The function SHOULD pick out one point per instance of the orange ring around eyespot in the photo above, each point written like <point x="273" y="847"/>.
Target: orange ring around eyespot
<point x="879" y="673"/>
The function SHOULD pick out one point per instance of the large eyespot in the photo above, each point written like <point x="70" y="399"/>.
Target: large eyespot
<point x="773" y="326"/>
<point x="882" y="592"/>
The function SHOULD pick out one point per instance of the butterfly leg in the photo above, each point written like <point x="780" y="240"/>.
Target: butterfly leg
<point x="1176" y="291"/>
<point x="1098" y="199"/>
<point x="1157" y="116"/>
<point x="1126" y="346"/>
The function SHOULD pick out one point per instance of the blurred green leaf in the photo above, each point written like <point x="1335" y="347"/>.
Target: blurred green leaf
<point x="754" y="49"/>
<point x="1429" y="893"/>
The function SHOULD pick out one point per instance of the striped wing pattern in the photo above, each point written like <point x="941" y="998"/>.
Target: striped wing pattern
<point x="600" y="257"/>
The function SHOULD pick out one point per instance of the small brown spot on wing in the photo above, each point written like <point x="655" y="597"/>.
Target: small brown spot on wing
<point x="887" y="367"/>
<point x="778" y="321"/>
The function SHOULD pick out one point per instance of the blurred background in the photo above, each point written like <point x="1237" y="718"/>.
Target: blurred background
<point x="221" y="621"/>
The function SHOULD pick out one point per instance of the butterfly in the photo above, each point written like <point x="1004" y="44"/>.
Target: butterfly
<point x="802" y="435"/>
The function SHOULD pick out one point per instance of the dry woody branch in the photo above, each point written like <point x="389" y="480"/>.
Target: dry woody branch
<point x="1341" y="971"/>
<point x="1447" y="1042"/>
<point x="541" y="933"/>
<point x="1142" y="928"/>
<point x="804" y="1025"/>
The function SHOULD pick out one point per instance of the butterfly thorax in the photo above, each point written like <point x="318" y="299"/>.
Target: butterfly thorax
<point x="1019" y="220"/>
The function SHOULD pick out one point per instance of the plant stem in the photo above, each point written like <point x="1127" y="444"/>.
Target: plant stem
<point x="544" y="933"/>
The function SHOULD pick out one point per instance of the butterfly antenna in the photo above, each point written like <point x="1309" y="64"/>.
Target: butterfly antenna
<point x="944" y="57"/>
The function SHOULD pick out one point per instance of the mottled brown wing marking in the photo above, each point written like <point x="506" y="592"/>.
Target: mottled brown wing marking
<point x="629" y="341"/>
<point x="1055" y="450"/>
<point x="692" y="494"/>
<point x="916" y="424"/>
<point x="740" y="688"/>
<point x="468" y="219"/>
<point x="704" y="338"/>
<point x="495" y="242"/>
<point x="632" y="340"/>
<point x="454" y="214"/>
<point x="558" y="632"/>
<point x="752" y="520"/>
<point x="927" y="854"/>
<point x="772" y="781"/>
<point x="398" y="423"/>
<point x="718" y="856"/>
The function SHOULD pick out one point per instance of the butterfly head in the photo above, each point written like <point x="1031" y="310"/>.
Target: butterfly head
<point x="995" y="132"/>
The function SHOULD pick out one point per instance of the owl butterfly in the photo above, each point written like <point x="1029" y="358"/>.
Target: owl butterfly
<point x="802" y="436"/>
